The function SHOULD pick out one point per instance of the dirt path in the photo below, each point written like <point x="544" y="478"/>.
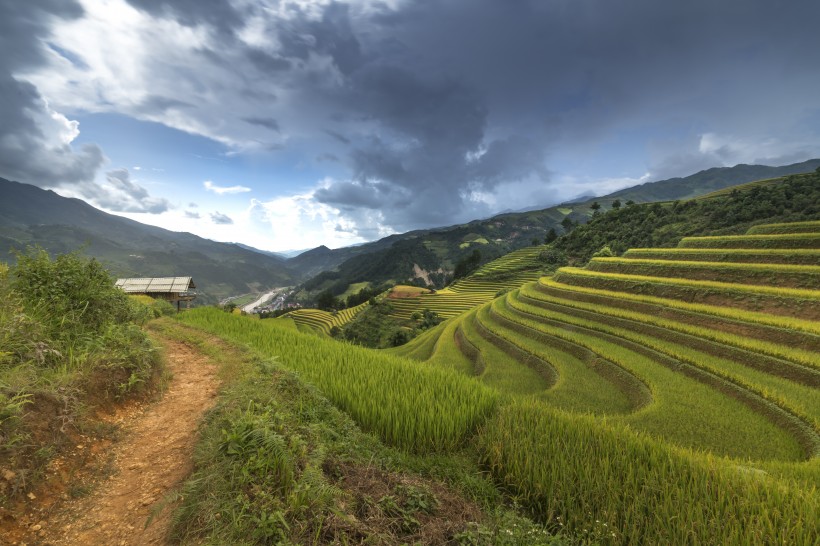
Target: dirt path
<point x="153" y="457"/>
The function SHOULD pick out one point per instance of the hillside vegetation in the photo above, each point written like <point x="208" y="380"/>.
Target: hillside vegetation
<point x="33" y="216"/>
<point x="710" y="389"/>
<point x="439" y="251"/>
<point x="69" y="343"/>
<point x="666" y="396"/>
<point x="792" y="199"/>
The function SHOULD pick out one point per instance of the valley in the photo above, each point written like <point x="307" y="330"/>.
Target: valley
<point x="576" y="391"/>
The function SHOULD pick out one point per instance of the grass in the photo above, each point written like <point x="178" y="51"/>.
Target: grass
<point x="505" y="273"/>
<point x="685" y="411"/>
<point x="323" y="321"/>
<point x="353" y="289"/>
<point x="277" y="462"/>
<point x="800" y="399"/>
<point x="781" y="275"/>
<point x="790" y="240"/>
<point x="797" y="303"/>
<point x="604" y="481"/>
<point x="585" y="382"/>
<point x="404" y="404"/>
<point x="807" y="256"/>
<point x="707" y="331"/>
<point x="785" y="228"/>
<point x="241" y="301"/>
<point x="658" y="304"/>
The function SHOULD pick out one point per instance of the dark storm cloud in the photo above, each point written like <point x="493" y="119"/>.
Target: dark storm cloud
<point x="266" y="62"/>
<point x="29" y="151"/>
<point x="436" y="107"/>
<point x="338" y="136"/>
<point x="473" y="94"/>
<point x="370" y="195"/>
<point x="34" y="140"/>
<point x="267" y="123"/>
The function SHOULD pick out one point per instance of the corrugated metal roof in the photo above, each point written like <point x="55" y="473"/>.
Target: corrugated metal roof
<point x="156" y="284"/>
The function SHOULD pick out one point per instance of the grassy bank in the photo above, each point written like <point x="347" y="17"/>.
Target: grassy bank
<point x="278" y="463"/>
<point x="70" y="342"/>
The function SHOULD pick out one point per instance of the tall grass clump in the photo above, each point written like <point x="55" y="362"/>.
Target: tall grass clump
<point x="68" y="339"/>
<point x="416" y="408"/>
<point x="573" y="471"/>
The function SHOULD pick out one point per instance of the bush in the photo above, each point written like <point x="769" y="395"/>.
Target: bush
<point x="70" y="296"/>
<point x="68" y="338"/>
<point x="605" y="252"/>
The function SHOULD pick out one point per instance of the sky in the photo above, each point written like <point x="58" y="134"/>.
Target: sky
<point x="290" y="124"/>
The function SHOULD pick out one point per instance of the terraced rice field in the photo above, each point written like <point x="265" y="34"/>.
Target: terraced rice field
<point x="671" y="401"/>
<point x="322" y="321"/>
<point x="508" y="272"/>
<point x="684" y="344"/>
<point x="710" y="348"/>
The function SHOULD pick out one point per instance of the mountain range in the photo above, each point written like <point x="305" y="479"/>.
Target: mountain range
<point x="30" y="215"/>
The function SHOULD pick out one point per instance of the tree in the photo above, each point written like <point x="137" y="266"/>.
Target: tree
<point x="467" y="265"/>
<point x="596" y="207"/>
<point x="551" y="236"/>
<point x="616" y="204"/>
<point x="567" y="224"/>
<point x="326" y="301"/>
<point x="630" y="203"/>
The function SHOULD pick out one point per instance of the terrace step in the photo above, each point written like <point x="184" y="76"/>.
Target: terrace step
<point x="711" y="317"/>
<point x="636" y="391"/>
<point x="800" y="256"/>
<point x="789" y="302"/>
<point x="791" y="227"/>
<point x="793" y="371"/>
<point x="799" y="427"/>
<point x="790" y="276"/>
<point x="790" y="240"/>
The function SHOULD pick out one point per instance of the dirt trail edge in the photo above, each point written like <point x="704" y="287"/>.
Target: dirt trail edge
<point x="153" y="457"/>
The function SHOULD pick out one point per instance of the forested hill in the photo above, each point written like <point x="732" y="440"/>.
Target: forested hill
<point x="30" y="215"/>
<point x="438" y="252"/>
<point x="794" y="198"/>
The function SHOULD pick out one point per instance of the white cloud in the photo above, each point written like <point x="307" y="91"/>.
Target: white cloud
<point x="222" y="190"/>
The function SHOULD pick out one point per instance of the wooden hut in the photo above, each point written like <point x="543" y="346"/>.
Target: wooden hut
<point x="172" y="289"/>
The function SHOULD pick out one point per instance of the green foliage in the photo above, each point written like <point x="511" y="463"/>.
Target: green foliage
<point x="65" y="329"/>
<point x="468" y="264"/>
<point x="605" y="252"/>
<point x="553" y="257"/>
<point x="71" y="296"/>
<point x="375" y="328"/>
<point x="415" y="408"/>
<point x="428" y="319"/>
<point x="326" y="301"/>
<point x="796" y="198"/>
<point x="578" y="473"/>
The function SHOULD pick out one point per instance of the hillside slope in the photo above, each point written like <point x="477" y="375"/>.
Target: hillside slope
<point x="30" y="215"/>
<point x="393" y="259"/>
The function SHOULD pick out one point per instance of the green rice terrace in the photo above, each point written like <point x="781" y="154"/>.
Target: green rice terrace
<point x="511" y="270"/>
<point x="669" y="396"/>
<point x="317" y="320"/>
